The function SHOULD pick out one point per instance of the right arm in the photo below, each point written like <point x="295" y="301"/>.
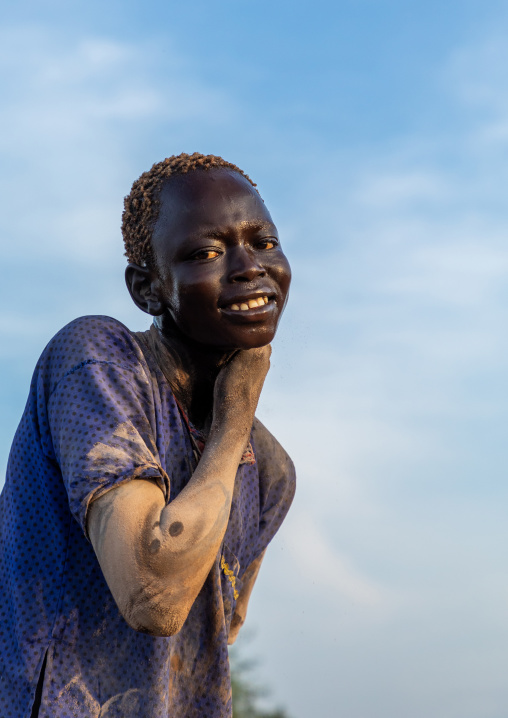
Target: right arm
<point x="156" y="557"/>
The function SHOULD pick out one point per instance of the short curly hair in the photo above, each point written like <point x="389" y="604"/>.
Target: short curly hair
<point x="142" y="205"/>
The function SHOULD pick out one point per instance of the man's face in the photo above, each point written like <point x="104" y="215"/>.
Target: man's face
<point x="224" y="276"/>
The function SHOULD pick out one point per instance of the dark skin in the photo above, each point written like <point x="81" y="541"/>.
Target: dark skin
<point x="217" y="290"/>
<point x="214" y="245"/>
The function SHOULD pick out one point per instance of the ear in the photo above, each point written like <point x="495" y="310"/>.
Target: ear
<point x="145" y="289"/>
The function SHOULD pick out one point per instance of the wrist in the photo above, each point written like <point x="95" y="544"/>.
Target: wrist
<point x="234" y="427"/>
<point x="228" y="441"/>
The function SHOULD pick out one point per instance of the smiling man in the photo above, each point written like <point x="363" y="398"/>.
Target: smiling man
<point x="141" y="491"/>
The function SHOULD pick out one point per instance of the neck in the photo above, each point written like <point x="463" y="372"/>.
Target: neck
<point x="193" y="370"/>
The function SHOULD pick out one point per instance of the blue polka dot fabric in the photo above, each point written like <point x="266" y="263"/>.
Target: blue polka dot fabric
<point x="101" y="412"/>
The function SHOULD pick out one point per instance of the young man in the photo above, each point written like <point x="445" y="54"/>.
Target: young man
<point x="141" y="492"/>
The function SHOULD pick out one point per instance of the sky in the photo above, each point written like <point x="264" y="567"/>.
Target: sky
<point x="377" y="131"/>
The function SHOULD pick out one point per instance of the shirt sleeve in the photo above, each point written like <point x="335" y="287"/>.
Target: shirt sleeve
<point x="277" y="484"/>
<point x="102" y="422"/>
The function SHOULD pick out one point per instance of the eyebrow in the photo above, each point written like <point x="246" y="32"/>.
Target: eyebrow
<point x="245" y="224"/>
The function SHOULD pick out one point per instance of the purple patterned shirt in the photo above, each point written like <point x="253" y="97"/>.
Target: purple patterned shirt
<point x="101" y="412"/>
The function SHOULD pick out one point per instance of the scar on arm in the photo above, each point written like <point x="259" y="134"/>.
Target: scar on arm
<point x="154" y="546"/>
<point x="176" y="528"/>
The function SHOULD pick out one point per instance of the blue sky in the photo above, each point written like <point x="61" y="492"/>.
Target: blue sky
<point x="378" y="135"/>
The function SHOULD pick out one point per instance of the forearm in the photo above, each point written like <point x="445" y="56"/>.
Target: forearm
<point x="156" y="557"/>
<point x="192" y="526"/>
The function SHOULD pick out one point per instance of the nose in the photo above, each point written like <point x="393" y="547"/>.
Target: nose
<point x="244" y="266"/>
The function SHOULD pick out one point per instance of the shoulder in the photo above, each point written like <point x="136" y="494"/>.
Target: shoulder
<point x="99" y="337"/>
<point x="94" y="333"/>
<point x="89" y="340"/>
<point x="272" y="459"/>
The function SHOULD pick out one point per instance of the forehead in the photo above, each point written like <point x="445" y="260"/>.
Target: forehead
<point x="208" y="201"/>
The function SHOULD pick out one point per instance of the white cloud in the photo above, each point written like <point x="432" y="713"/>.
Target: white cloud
<point x="392" y="403"/>
<point x="327" y="568"/>
<point x="478" y="74"/>
<point x="389" y="190"/>
<point x="72" y="111"/>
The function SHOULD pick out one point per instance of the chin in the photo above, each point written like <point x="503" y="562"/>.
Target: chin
<point x="254" y="344"/>
<point x="249" y="340"/>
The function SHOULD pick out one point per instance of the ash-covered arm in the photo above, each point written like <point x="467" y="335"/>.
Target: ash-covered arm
<point x="156" y="557"/>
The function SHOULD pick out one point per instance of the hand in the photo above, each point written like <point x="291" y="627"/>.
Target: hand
<point x="238" y="387"/>
<point x="236" y="623"/>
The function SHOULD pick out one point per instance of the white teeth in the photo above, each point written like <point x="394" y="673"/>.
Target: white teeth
<point x="250" y="304"/>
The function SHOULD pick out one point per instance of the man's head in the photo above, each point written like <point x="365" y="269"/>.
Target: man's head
<point x="142" y="205"/>
<point x="203" y="250"/>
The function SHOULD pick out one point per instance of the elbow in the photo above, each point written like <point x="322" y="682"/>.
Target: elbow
<point x="154" y="615"/>
<point x="155" y="625"/>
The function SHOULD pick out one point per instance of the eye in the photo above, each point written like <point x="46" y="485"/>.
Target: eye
<point x="267" y="243"/>
<point x="206" y="254"/>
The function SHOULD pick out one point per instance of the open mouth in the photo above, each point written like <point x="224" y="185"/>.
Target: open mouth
<point x="248" y="304"/>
